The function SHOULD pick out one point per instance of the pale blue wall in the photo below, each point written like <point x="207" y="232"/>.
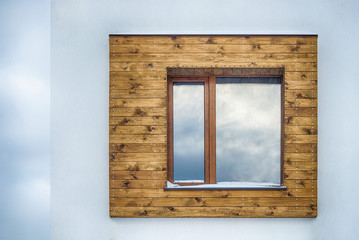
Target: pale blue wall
<point x="24" y="119"/>
<point x="79" y="123"/>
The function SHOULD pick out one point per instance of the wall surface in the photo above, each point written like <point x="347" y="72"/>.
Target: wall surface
<point x="25" y="119"/>
<point x="143" y="151"/>
<point x="79" y="122"/>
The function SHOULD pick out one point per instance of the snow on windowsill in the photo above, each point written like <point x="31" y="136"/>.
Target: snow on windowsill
<point x="186" y="181"/>
<point x="225" y="186"/>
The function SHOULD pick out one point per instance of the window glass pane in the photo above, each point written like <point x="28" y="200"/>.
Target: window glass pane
<point x="248" y="129"/>
<point x="188" y="132"/>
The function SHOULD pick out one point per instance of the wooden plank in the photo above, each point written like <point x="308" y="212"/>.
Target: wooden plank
<point x="300" y="148"/>
<point x="239" y="57"/>
<point x="118" y="84"/>
<point x="295" y="102"/>
<point x="138" y="103"/>
<point x="138" y="157"/>
<point x="159" y="75"/>
<point x="300" y="174"/>
<point x="212" y="40"/>
<point x="150" y="184"/>
<point x="300" y="76"/>
<point x="214" y="212"/>
<point x="300" y="139"/>
<point x="137" y="112"/>
<point x="301" y="85"/>
<point x="138" y="166"/>
<point x="296" y="157"/>
<point x="300" y="121"/>
<point x="227" y="71"/>
<point x="300" y="165"/>
<point x="211" y="48"/>
<point x="301" y="130"/>
<point x="301" y="111"/>
<point x="138" y="138"/>
<point x="138" y="175"/>
<point x="301" y="94"/>
<point x="138" y="121"/>
<point x="143" y="130"/>
<point x="155" y="66"/>
<point x="138" y="147"/>
<point x="130" y="192"/>
<point x="212" y="202"/>
<point x="138" y="93"/>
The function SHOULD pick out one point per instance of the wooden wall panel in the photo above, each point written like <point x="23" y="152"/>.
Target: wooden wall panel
<point x="138" y="123"/>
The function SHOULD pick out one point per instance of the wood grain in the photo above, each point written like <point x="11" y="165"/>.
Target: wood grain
<point x="138" y="103"/>
<point x="143" y="67"/>
<point x="137" y="112"/>
<point x="300" y="165"/>
<point x="138" y="67"/>
<point x="138" y="157"/>
<point x="138" y="166"/>
<point x="138" y="121"/>
<point x="137" y="147"/>
<point x="118" y="84"/>
<point x="220" y="57"/>
<point x="148" y="193"/>
<point x="211" y="202"/>
<point x="118" y="50"/>
<point x="152" y="129"/>
<point x="254" y="212"/>
<point x="138" y="93"/>
<point x="212" y="40"/>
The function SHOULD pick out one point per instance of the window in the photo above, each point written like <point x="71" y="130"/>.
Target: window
<point x="225" y="132"/>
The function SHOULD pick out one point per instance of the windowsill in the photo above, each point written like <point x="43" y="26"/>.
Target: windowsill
<point x="227" y="186"/>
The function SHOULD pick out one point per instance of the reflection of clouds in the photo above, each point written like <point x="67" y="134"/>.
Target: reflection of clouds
<point x="248" y="132"/>
<point x="248" y="105"/>
<point x="188" y="112"/>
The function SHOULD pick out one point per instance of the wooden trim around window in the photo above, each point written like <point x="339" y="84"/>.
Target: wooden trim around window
<point x="170" y="140"/>
<point x="170" y="130"/>
<point x="210" y="112"/>
<point x="282" y="135"/>
<point x="212" y="129"/>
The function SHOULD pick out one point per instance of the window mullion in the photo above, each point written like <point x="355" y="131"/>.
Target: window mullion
<point x="206" y="133"/>
<point x="212" y="129"/>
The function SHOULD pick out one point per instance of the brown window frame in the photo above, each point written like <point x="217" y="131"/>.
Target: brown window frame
<point x="210" y="121"/>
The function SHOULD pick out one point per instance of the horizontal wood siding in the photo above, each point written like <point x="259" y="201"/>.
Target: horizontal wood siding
<point x="138" y="123"/>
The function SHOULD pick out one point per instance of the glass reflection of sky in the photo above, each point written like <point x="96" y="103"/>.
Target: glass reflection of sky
<point x="188" y="131"/>
<point x="248" y="123"/>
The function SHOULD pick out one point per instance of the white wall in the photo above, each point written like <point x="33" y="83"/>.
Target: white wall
<point x="24" y="119"/>
<point x="79" y="122"/>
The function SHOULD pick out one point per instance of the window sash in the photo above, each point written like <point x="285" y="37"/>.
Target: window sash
<point x="210" y="122"/>
<point x="170" y="140"/>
